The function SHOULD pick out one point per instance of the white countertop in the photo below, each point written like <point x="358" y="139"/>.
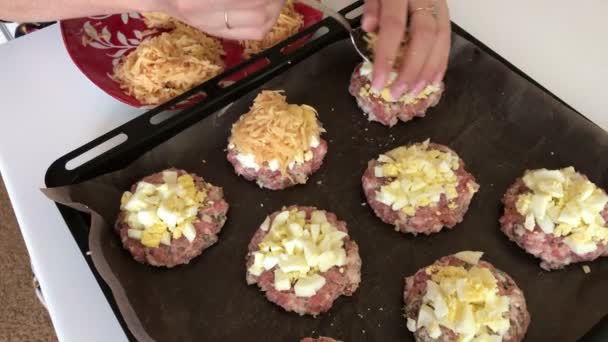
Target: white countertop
<point x="48" y="108"/>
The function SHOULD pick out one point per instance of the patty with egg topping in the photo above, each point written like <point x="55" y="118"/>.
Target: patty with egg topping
<point x="277" y="144"/>
<point x="303" y="259"/>
<point x="559" y="216"/>
<point x="382" y="107"/>
<point x="460" y="298"/>
<point x="419" y="188"/>
<point x="170" y="217"/>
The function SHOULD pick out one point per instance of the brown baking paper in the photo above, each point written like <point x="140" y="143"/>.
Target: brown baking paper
<point x="498" y="122"/>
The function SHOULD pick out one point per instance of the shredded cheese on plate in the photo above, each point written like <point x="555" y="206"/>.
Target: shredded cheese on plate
<point x="168" y="65"/>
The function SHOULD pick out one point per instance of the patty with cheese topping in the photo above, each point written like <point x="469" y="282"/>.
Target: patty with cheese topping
<point x="277" y="144"/>
<point x="419" y="188"/>
<point x="559" y="216"/>
<point x="170" y="217"/>
<point x="303" y="259"/>
<point x="382" y="107"/>
<point x="462" y="298"/>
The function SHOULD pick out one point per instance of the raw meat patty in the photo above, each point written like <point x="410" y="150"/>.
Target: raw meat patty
<point x="274" y="180"/>
<point x="415" y="289"/>
<point x="552" y="250"/>
<point x="426" y="220"/>
<point x="181" y="251"/>
<point x="384" y="112"/>
<point x="342" y="280"/>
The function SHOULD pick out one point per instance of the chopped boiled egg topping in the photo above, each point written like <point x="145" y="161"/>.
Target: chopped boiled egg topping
<point x="385" y="94"/>
<point x="566" y="204"/>
<point x="299" y="249"/>
<point x="420" y="175"/>
<point x="275" y="133"/>
<point x="158" y="213"/>
<point x="465" y="300"/>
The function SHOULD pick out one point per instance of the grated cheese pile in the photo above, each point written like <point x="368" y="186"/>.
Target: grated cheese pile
<point x="465" y="300"/>
<point x="566" y="204"/>
<point x="167" y="65"/>
<point x="158" y="213"/>
<point x="299" y="249"/>
<point x="159" y="20"/>
<point x="419" y="176"/>
<point x="288" y="23"/>
<point x="276" y="133"/>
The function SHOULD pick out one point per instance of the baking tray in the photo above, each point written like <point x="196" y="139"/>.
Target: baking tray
<point x="498" y="99"/>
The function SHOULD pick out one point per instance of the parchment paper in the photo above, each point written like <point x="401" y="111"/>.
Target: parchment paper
<point x="500" y="125"/>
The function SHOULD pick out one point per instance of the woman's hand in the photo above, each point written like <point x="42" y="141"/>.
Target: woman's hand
<point x="233" y="19"/>
<point x="426" y="55"/>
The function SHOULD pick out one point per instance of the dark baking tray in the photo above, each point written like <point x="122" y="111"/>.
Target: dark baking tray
<point x="144" y="137"/>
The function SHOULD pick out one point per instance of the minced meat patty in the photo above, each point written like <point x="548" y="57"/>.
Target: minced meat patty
<point x="415" y="289"/>
<point x="210" y="220"/>
<point x="552" y="250"/>
<point x="275" y="180"/>
<point x="343" y="280"/>
<point x="384" y="112"/>
<point x="429" y="219"/>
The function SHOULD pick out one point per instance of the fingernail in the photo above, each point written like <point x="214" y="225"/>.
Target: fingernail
<point x="366" y="23"/>
<point x="397" y="92"/>
<point x="438" y="79"/>
<point x="418" y="88"/>
<point x="377" y="84"/>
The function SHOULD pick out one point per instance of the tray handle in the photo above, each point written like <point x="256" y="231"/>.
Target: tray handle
<point x="142" y="134"/>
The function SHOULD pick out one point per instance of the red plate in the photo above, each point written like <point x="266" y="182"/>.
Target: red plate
<point x="97" y="43"/>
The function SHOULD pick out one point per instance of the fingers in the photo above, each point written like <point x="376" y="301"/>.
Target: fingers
<point x="274" y="11"/>
<point x="393" y="19"/>
<point x="435" y="68"/>
<point x="245" y="33"/>
<point x="240" y="24"/>
<point x="235" y="18"/>
<point x="418" y="72"/>
<point x="215" y="5"/>
<point x="423" y="31"/>
<point x="371" y="13"/>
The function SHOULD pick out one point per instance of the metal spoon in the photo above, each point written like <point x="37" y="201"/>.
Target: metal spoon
<point x="357" y="38"/>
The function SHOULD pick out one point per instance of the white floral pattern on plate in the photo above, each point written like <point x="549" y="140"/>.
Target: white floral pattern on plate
<point x="96" y="44"/>
<point x="103" y="39"/>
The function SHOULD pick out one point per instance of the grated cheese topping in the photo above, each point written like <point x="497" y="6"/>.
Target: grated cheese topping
<point x="288" y="23"/>
<point x="167" y="65"/>
<point x="275" y="132"/>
